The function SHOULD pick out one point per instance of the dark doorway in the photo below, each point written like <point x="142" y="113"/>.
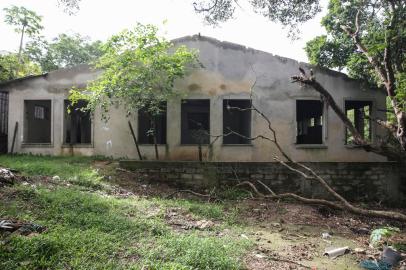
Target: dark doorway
<point x="3" y="122"/>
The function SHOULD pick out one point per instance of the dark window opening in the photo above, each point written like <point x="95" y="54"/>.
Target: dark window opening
<point x="78" y="124"/>
<point x="359" y="113"/>
<point x="309" y="118"/>
<point x="195" y="121"/>
<point x="37" y="121"/>
<point x="237" y="118"/>
<point x="148" y="125"/>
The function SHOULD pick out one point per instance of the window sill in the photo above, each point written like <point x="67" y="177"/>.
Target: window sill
<point x="37" y="145"/>
<point x="151" y="144"/>
<point x="311" y="146"/>
<point x="77" y="145"/>
<point x="238" y="144"/>
<point x="353" y="146"/>
<point x="194" y="144"/>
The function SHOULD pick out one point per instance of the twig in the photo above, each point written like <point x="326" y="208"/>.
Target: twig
<point x="190" y="192"/>
<point x="266" y="187"/>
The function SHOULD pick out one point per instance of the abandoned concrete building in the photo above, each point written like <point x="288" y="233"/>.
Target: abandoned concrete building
<point x="38" y="121"/>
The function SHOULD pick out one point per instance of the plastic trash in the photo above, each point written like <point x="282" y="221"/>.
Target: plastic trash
<point x="326" y="235"/>
<point x="375" y="265"/>
<point x="333" y="253"/>
<point x="391" y="256"/>
<point x="377" y="234"/>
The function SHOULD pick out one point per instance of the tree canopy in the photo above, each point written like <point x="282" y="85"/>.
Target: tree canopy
<point x="24" y="21"/>
<point x="290" y="13"/>
<point x="63" y="51"/>
<point x="139" y="69"/>
<point x="11" y="68"/>
<point x="368" y="39"/>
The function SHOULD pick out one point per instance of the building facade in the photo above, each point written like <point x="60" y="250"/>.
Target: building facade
<point x="306" y="127"/>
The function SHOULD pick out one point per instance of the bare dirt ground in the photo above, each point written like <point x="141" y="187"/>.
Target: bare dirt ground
<point x="287" y="235"/>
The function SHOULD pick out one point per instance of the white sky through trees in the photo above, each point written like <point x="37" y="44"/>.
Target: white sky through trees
<point x="99" y="19"/>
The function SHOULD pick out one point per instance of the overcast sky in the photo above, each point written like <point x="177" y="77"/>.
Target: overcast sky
<point x="100" y="19"/>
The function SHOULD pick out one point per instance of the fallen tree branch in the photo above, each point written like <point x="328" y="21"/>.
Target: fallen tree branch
<point x="190" y="192"/>
<point x="292" y="196"/>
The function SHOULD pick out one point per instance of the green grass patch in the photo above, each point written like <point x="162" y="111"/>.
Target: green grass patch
<point x="87" y="229"/>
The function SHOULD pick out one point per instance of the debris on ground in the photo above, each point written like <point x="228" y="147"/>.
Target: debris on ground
<point x="325" y="235"/>
<point x="178" y="218"/>
<point x="333" y="253"/>
<point x="23" y="228"/>
<point x="375" y="265"/>
<point x="391" y="256"/>
<point x="6" y="177"/>
<point x="360" y="250"/>
<point x="378" y="235"/>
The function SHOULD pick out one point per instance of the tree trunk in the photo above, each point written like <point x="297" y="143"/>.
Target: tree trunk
<point x="152" y="121"/>
<point x="21" y="45"/>
<point x="135" y="140"/>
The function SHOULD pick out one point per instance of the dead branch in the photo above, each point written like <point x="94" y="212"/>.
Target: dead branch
<point x="252" y="186"/>
<point x="266" y="187"/>
<point x="358" y="138"/>
<point x="273" y="258"/>
<point x="292" y="196"/>
<point x="126" y="171"/>
<point x="190" y="192"/>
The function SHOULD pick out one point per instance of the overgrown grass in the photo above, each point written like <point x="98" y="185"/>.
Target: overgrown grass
<point x="87" y="229"/>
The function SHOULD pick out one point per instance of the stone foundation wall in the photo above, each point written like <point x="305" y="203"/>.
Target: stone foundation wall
<point x="372" y="181"/>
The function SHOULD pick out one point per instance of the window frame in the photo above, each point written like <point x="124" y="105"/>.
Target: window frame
<point x="166" y="128"/>
<point x="324" y="135"/>
<point x="208" y="100"/>
<point x="372" y="115"/>
<point x="24" y="143"/>
<point x="249" y="143"/>
<point x="76" y="145"/>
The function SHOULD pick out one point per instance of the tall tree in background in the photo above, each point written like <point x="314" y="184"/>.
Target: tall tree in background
<point x="139" y="72"/>
<point x="9" y="63"/>
<point x="25" y="21"/>
<point x="63" y="51"/>
<point x="365" y="36"/>
<point x="368" y="38"/>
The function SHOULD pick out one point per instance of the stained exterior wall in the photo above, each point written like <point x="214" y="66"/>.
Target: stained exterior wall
<point x="229" y="72"/>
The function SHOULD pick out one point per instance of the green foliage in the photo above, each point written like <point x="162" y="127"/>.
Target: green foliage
<point x="289" y="13"/>
<point x="11" y="68"/>
<point x="63" y="51"/>
<point x="194" y="252"/>
<point x="88" y="229"/>
<point x="328" y="53"/>
<point x="139" y="71"/>
<point x="381" y="30"/>
<point x="24" y="20"/>
<point x="337" y="49"/>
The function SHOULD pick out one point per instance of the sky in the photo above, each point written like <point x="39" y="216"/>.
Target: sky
<point x="100" y="19"/>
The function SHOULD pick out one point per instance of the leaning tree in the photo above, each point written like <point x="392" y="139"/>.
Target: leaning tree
<point x="367" y="37"/>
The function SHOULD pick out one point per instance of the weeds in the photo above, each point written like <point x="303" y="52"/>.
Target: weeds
<point x="86" y="229"/>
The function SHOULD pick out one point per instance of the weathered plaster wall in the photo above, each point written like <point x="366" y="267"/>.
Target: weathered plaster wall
<point x="363" y="181"/>
<point x="229" y="72"/>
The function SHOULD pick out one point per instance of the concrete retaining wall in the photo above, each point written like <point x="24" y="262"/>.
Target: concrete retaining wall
<point x="376" y="181"/>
